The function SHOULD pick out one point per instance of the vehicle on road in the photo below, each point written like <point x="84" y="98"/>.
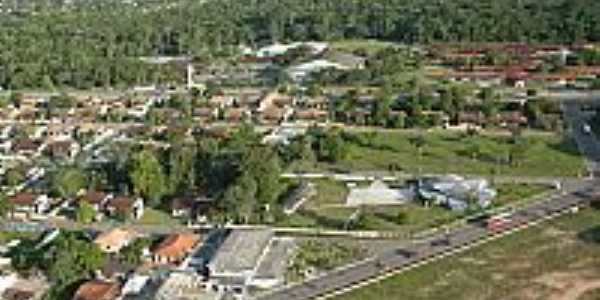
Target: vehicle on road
<point x="587" y="129"/>
<point x="500" y="223"/>
<point x="404" y="252"/>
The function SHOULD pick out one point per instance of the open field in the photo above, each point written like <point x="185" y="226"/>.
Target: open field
<point x="558" y="261"/>
<point x="452" y="152"/>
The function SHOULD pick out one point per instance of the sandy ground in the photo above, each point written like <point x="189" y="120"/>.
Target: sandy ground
<point x="559" y="286"/>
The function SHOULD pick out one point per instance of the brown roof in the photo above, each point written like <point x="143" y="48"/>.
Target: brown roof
<point x="97" y="290"/>
<point x="235" y="114"/>
<point x="310" y="114"/>
<point x="176" y="246"/>
<point x="471" y="117"/>
<point x="23" y="199"/>
<point x="25" y="144"/>
<point x="121" y="204"/>
<point x="272" y="113"/>
<point x="94" y="197"/>
<point x="59" y="147"/>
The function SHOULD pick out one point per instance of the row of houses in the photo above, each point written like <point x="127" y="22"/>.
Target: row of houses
<point x="26" y="205"/>
<point x="188" y="265"/>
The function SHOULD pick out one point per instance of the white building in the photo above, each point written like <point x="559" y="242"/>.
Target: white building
<point x="236" y="262"/>
<point x="456" y="192"/>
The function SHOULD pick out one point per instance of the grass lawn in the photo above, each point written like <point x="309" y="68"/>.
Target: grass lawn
<point x="7" y="236"/>
<point x="156" y="217"/>
<point x="545" y="262"/>
<point x="508" y="193"/>
<point x="450" y="152"/>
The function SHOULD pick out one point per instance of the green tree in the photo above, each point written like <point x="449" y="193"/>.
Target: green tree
<point x="332" y="147"/>
<point x="15" y="176"/>
<point x="148" y="177"/>
<point x="68" y="181"/>
<point x="5" y="206"/>
<point x="85" y="213"/>
<point x="132" y="253"/>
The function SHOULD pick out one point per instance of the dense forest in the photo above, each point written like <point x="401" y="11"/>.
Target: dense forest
<point x="99" y="43"/>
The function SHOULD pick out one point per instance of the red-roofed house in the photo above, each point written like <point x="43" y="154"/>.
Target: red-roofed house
<point x="98" y="290"/>
<point x="175" y="248"/>
<point x="28" y="203"/>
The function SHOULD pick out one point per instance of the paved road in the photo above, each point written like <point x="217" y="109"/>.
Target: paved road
<point x="587" y="143"/>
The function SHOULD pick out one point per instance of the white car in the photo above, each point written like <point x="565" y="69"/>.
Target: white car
<point x="587" y="129"/>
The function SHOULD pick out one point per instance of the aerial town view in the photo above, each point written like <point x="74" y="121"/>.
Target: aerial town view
<point x="299" y="149"/>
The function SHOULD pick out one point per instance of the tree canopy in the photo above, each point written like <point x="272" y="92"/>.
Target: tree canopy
<point x="100" y="43"/>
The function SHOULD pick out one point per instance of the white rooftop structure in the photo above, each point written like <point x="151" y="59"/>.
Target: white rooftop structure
<point x="184" y="286"/>
<point x="283" y="135"/>
<point x="300" y="71"/>
<point x="135" y="284"/>
<point x="378" y="193"/>
<point x="240" y="251"/>
<point x="280" y="49"/>
<point x="457" y="192"/>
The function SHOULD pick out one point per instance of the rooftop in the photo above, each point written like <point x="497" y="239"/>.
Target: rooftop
<point x="177" y="245"/>
<point x="114" y="238"/>
<point x="97" y="290"/>
<point x="241" y="251"/>
<point x="274" y="263"/>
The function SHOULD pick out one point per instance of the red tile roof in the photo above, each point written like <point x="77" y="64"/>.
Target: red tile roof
<point x="176" y="246"/>
<point x="97" y="290"/>
<point x="23" y="199"/>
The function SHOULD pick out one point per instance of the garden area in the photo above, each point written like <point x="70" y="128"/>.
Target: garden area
<point x="315" y="256"/>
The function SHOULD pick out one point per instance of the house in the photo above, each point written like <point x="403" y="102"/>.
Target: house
<point x="272" y="115"/>
<point x="175" y="248"/>
<point x="455" y="192"/>
<point x="25" y="146"/>
<point x="62" y="148"/>
<point x="96" y="199"/>
<point x="301" y="71"/>
<point x="205" y="113"/>
<point x="236" y="115"/>
<point x="476" y="119"/>
<point x="185" y="286"/>
<point x="221" y="101"/>
<point x="348" y="60"/>
<point x="234" y="265"/>
<point x="13" y="287"/>
<point x="98" y="290"/>
<point x="29" y="203"/>
<point x="191" y="207"/>
<point x="114" y="240"/>
<point x="311" y="115"/>
<point x="127" y="207"/>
